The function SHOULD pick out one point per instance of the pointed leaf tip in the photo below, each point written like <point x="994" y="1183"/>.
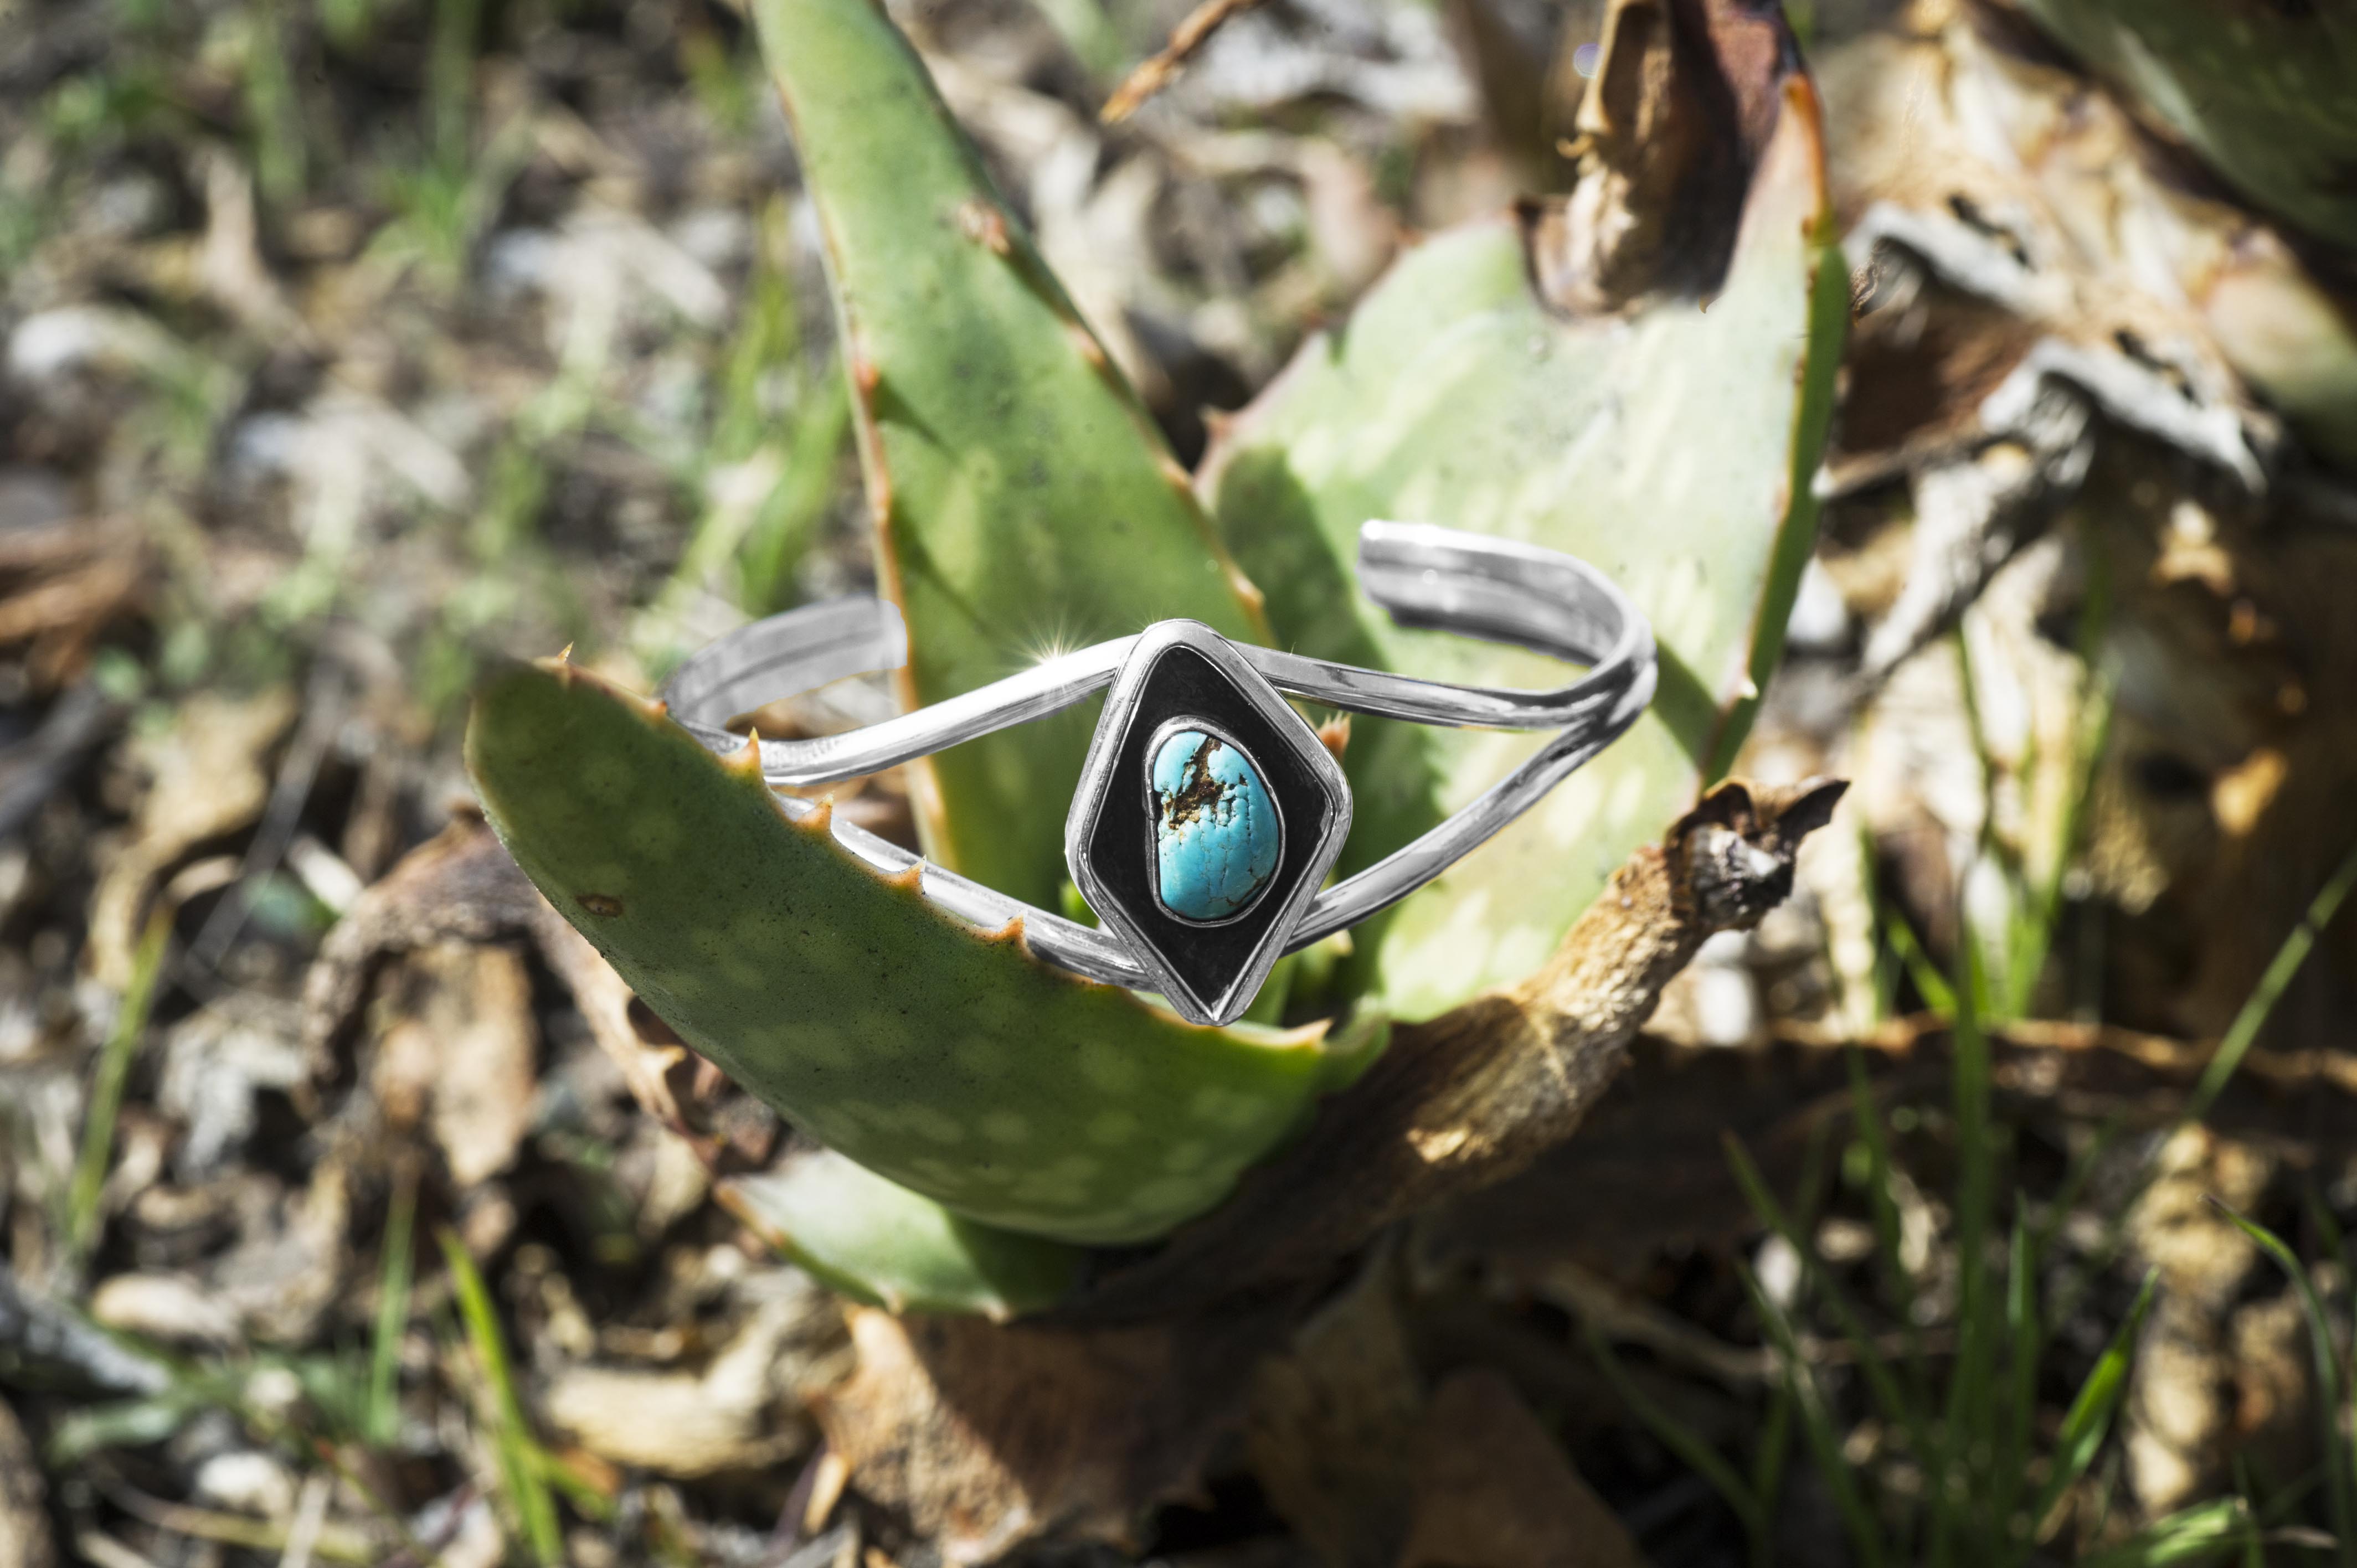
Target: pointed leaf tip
<point x="747" y="759"/>
<point x="995" y="434"/>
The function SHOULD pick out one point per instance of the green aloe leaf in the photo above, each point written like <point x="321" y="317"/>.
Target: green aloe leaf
<point x="948" y="1060"/>
<point x="891" y="1248"/>
<point x="1023" y="499"/>
<point x="2261" y="92"/>
<point x="1672" y="447"/>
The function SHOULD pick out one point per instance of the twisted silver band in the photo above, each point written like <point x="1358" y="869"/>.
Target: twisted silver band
<point x="1426" y="577"/>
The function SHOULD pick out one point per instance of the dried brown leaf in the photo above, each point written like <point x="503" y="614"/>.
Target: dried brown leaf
<point x="1685" y="99"/>
<point x="1492" y="1490"/>
<point x="1331" y="1434"/>
<point x="211" y="780"/>
<point x="984" y="1437"/>
<point x="460" y="886"/>
<point x="733" y="1414"/>
<point x="457" y="1050"/>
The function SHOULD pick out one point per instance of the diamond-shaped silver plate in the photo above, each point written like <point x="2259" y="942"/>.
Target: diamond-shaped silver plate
<point x="1181" y="675"/>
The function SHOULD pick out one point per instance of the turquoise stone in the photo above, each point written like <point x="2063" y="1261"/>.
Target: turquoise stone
<point x="1215" y="829"/>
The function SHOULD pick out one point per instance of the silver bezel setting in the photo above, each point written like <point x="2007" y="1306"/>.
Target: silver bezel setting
<point x="1310" y="796"/>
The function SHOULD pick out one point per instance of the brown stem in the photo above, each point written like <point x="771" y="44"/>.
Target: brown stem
<point x="1161" y="70"/>
<point x="1474" y="1095"/>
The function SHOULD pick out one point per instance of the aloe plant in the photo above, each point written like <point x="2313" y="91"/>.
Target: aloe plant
<point x="991" y="1114"/>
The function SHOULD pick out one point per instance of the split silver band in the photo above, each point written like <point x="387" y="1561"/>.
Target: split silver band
<point x="1424" y="577"/>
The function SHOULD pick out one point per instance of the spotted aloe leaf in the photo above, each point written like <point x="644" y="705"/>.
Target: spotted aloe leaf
<point x="1670" y="441"/>
<point x="891" y="1248"/>
<point x="949" y="1061"/>
<point x="1022" y="497"/>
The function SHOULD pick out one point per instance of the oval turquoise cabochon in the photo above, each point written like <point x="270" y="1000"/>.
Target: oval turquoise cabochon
<point x="1216" y="836"/>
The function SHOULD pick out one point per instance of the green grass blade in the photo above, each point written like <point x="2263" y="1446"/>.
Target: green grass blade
<point x="1900" y="1289"/>
<point x="2254" y="1552"/>
<point x="114" y="1058"/>
<point x="2206" y="1533"/>
<point x="1816" y="1426"/>
<point x="1897" y="1408"/>
<point x="1939" y="997"/>
<point x="1990" y="847"/>
<point x="1887" y="965"/>
<point x="382" y="1418"/>
<point x="2090" y="1415"/>
<point x="588" y="1498"/>
<point x="2045" y="906"/>
<point x="2337" y="1481"/>
<point x="449" y="79"/>
<point x="122" y="1424"/>
<point x="1966" y="1437"/>
<point x="1768" y="1458"/>
<point x="788" y="522"/>
<point x="2023" y="1344"/>
<point x="1772" y="1450"/>
<point x="2248" y="1021"/>
<point x="1679" y="1438"/>
<point x="2253" y="1015"/>
<point x="1865" y="1117"/>
<point x="767" y="340"/>
<point x="521" y="1473"/>
<point x="2076" y="1178"/>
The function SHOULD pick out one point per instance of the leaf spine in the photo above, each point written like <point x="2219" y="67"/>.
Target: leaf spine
<point x="986" y="225"/>
<point x="747" y="759"/>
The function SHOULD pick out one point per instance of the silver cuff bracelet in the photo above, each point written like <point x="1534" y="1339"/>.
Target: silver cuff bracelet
<point x="1208" y="812"/>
